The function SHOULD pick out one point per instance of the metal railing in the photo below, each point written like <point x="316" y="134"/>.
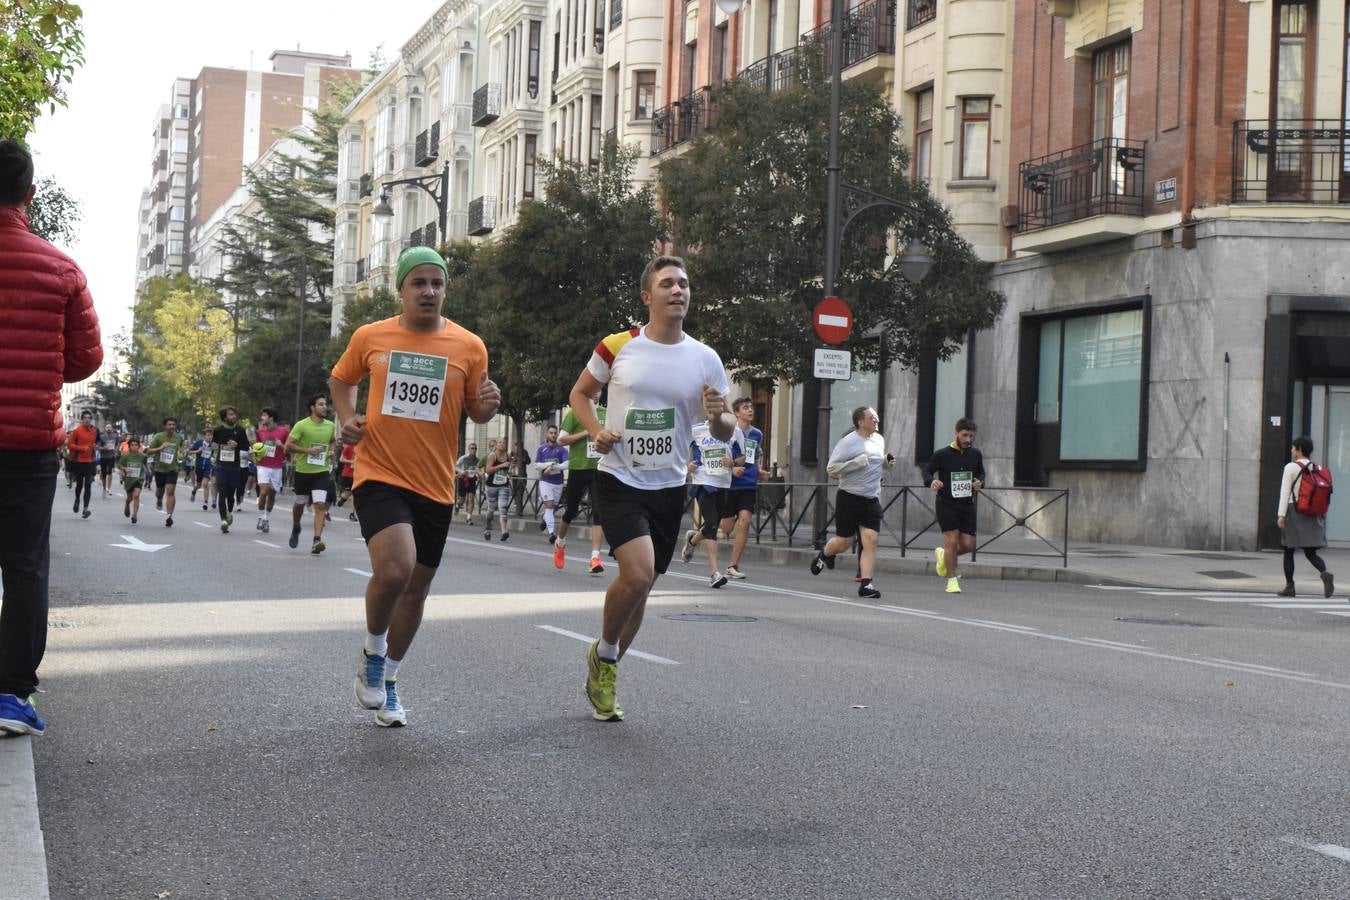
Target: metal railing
<point x="487" y="104"/>
<point x="774" y="73"/>
<point x="1291" y="161"/>
<point x="427" y="147"/>
<point x="785" y="512"/>
<point x="683" y="120"/>
<point x="367" y="185"/>
<point x="362" y="269"/>
<point x="1103" y="177"/>
<point x="920" y="12"/>
<point x="869" y="29"/>
<point x="482" y="215"/>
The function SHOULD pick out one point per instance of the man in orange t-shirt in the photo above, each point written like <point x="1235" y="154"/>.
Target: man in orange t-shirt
<point x="424" y="371"/>
<point x="80" y="442"/>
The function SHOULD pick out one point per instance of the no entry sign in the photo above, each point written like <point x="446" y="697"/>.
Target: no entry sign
<point x="833" y="320"/>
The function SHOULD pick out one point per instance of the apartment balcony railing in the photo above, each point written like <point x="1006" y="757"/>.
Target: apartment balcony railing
<point x="1291" y="161"/>
<point x="421" y="237"/>
<point x="773" y="73"/>
<point x="362" y="269"/>
<point x="487" y="104"/>
<point x="683" y="120"/>
<point x="427" y="147"/>
<point x="1105" y="177"/>
<point x="367" y="185"/>
<point x="919" y="12"/>
<point x="482" y="215"/>
<point x="869" y="29"/>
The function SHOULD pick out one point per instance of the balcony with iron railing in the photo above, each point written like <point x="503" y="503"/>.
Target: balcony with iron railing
<point x="427" y="146"/>
<point x="919" y="12"/>
<point x="421" y="237"/>
<point x="362" y="269"/>
<point x="772" y="73"/>
<point x="487" y="104"/>
<point x="869" y="34"/>
<point x="1083" y="195"/>
<point x="482" y="215"/>
<point x="1304" y="161"/>
<point x="367" y="185"/>
<point x="683" y="120"/>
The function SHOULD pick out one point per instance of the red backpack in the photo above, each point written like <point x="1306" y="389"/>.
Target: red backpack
<point x="1313" y="490"/>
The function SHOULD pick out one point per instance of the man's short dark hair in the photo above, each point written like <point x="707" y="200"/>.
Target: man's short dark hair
<point x="964" y="424"/>
<point x="133" y="440"/>
<point x="16" y="172"/>
<point x="1303" y="444"/>
<point x="316" y="398"/>
<point x="739" y="402"/>
<point x="858" y="414"/>
<point x="167" y="420"/>
<point x="270" y="413"/>
<point x="225" y="409"/>
<point x="656" y="265"/>
<point x="87" y="412"/>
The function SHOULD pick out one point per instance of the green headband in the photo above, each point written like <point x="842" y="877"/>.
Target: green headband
<point x="418" y="256"/>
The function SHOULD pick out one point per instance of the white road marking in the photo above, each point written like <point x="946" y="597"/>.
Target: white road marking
<point x="135" y="543"/>
<point x="201" y="524"/>
<point x="267" y="543"/>
<point x="1302" y="605"/>
<point x="1004" y="624"/>
<point x="362" y="572"/>
<point x="1114" y="587"/>
<point x="1118" y="644"/>
<point x="1346" y="613"/>
<point x="1249" y="668"/>
<point x="586" y="639"/>
<point x="1335" y="851"/>
<point x="1255" y="666"/>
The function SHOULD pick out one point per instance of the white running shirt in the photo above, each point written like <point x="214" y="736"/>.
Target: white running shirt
<point x="864" y="481"/>
<point x="715" y="456"/>
<point x="655" y="397"/>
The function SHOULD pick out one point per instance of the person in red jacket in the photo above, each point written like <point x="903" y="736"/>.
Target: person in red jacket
<point x="80" y="444"/>
<point x="48" y="335"/>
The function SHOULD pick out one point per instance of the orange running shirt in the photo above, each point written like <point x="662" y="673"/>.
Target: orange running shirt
<point x="419" y="386"/>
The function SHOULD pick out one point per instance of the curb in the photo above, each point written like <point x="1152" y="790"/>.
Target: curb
<point x="908" y="566"/>
<point x="23" y="865"/>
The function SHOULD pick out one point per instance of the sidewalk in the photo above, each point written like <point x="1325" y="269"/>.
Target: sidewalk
<point x="23" y="867"/>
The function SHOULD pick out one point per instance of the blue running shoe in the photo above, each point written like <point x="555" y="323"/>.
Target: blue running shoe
<point x="370" y="681"/>
<point x="19" y="716"/>
<point x="392" y="714"/>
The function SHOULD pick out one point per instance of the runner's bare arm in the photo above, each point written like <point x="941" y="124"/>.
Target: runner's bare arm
<point x="582" y="398"/>
<point x="344" y="402"/>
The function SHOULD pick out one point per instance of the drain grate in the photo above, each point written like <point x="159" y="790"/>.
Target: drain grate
<point x="708" y="617"/>
<point x="1180" y="622"/>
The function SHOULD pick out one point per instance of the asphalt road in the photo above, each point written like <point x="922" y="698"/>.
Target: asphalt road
<point x="1018" y="740"/>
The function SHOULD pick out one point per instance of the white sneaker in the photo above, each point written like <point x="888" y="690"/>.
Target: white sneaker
<point x="687" y="551"/>
<point x="392" y="714"/>
<point x="370" y="692"/>
<point x="733" y="572"/>
<point x="717" y="579"/>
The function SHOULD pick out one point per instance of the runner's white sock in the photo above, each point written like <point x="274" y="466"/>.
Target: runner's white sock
<point x="560" y="543"/>
<point x="607" y="651"/>
<point x="391" y="669"/>
<point x="549" y="521"/>
<point x="377" y="644"/>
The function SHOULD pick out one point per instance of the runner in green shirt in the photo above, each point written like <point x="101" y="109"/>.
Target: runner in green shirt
<point x="131" y="467"/>
<point x="166" y="449"/>
<point x="581" y="462"/>
<point x="312" y="442"/>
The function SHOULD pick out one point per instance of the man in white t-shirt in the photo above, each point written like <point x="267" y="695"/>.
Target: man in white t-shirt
<point x="711" y="468"/>
<point x="661" y="381"/>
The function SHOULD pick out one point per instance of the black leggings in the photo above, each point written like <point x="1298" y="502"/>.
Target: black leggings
<point x="1310" y="553"/>
<point x="84" y="481"/>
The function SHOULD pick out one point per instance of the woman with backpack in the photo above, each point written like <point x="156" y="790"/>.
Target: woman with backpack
<point x="1301" y="530"/>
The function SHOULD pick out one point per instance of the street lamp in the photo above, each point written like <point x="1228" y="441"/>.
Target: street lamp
<point x="914" y="262"/>
<point x="438" y="186"/>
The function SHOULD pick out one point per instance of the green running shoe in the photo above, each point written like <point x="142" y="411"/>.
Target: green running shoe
<point x="941" y="556"/>
<point x="600" y="677"/>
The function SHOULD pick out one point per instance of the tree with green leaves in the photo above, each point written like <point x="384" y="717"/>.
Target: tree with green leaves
<point x="747" y="203"/>
<point x="563" y="276"/>
<point x="41" y="45"/>
<point x="195" y="333"/>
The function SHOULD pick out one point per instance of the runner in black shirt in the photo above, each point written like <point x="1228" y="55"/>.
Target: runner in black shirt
<point x="956" y="473"/>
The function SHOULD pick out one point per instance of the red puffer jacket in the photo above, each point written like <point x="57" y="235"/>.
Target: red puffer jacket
<point x="48" y="335"/>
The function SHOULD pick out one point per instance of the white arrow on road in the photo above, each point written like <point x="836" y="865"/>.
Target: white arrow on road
<point x="135" y="543"/>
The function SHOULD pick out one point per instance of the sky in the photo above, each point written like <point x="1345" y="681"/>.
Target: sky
<point x="99" y="147"/>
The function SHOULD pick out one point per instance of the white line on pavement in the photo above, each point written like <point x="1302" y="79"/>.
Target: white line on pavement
<point x="201" y="524"/>
<point x="1255" y="666"/>
<point x="267" y="543"/>
<point x="1119" y="644"/>
<point x="583" y="638"/>
<point x="1345" y="613"/>
<point x="362" y="572"/>
<point x="1249" y="668"/>
<point x="1302" y="605"/>
<point x="1335" y="851"/>
<point x="1005" y="624"/>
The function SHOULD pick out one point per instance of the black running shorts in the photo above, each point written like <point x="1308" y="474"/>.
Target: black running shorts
<point x="308" y="482"/>
<point x="106" y="463"/>
<point x="580" y="483"/>
<point x="852" y="512"/>
<point x="380" y="505"/>
<point x="743" y="499"/>
<point x="631" y="512"/>
<point x="712" y="509"/>
<point x="956" y="515"/>
<point x="163" y="478"/>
